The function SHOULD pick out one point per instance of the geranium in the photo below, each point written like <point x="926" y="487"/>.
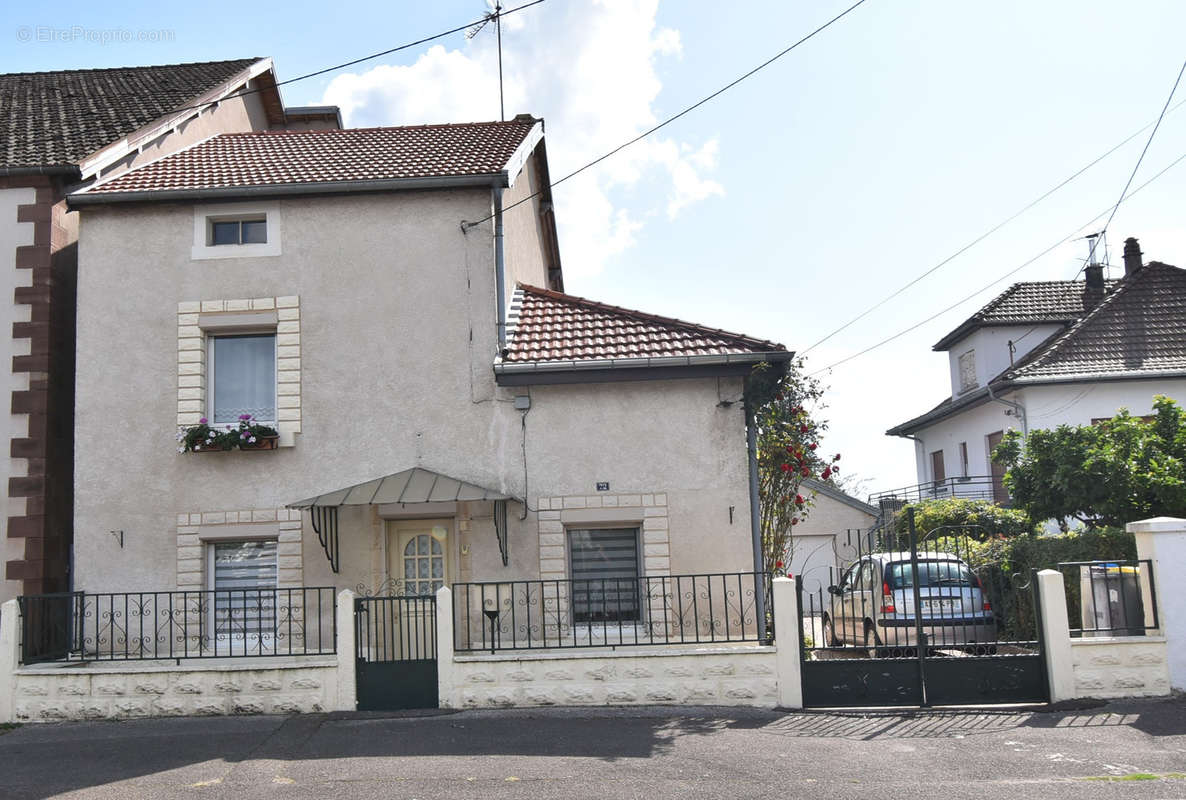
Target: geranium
<point x="203" y="436"/>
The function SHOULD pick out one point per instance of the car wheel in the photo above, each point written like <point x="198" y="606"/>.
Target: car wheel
<point x="830" y="639"/>
<point x="871" y="643"/>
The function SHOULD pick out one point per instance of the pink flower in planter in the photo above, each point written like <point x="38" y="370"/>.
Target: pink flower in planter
<point x="202" y="421"/>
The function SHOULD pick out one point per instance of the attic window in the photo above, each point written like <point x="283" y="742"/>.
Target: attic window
<point x="967" y="366"/>
<point x="252" y="230"/>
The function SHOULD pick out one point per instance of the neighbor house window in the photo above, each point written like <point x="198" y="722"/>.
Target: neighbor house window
<point x="964" y="458"/>
<point x="238" y="231"/>
<point x="938" y="472"/>
<point x="243" y="575"/>
<point x="605" y="571"/>
<point x="967" y="364"/>
<point x="242" y="372"/>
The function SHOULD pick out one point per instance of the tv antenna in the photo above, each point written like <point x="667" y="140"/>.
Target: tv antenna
<point x="494" y="16"/>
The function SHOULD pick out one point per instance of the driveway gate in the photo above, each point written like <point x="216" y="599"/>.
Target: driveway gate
<point x="396" y="652"/>
<point x="974" y="639"/>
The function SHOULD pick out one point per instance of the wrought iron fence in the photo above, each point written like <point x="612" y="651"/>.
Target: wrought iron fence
<point x="1110" y="598"/>
<point x="613" y="612"/>
<point x="974" y="487"/>
<point x="225" y="623"/>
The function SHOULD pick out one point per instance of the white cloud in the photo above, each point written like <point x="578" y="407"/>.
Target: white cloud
<point x="588" y="68"/>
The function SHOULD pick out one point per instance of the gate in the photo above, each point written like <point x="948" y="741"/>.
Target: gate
<point x="396" y="652"/>
<point x="920" y="621"/>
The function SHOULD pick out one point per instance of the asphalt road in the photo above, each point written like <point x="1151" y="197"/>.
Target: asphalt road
<point x="1123" y="750"/>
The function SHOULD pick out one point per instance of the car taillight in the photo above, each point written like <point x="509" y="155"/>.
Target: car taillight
<point x="887" y="599"/>
<point x="987" y="605"/>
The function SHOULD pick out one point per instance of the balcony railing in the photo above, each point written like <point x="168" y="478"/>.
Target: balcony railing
<point x="975" y="487"/>
<point x="136" y="626"/>
<point x="613" y="612"/>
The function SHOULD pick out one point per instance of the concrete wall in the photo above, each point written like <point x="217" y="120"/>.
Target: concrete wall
<point x="821" y="543"/>
<point x="1163" y="541"/>
<point x="1134" y="666"/>
<point x="633" y="676"/>
<point x="397" y="338"/>
<point x="165" y="690"/>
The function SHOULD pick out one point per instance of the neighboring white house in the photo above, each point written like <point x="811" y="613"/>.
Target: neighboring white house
<point x="1046" y="354"/>
<point x="827" y="539"/>
<point x="446" y="413"/>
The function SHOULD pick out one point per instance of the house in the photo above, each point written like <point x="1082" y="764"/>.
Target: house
<point x="391" y="301"/>
<point x="62" y="130"/>
<point x="827" y="538"/>
<point x="1045" y="354"/>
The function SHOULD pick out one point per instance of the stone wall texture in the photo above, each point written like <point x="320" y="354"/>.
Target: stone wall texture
<point x="1120" y="667"/>
<point x="729" y="676"/>
<point x="54" y="694"/>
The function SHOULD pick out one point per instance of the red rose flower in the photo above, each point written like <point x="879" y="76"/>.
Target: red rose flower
<point x="813" y="445"/>
<point x="827" y="473"/>
<point x="836" y="457"/>
<point x="803" y="429"/>
<point x="778" y="565"/>
<point x="806" y="471"/>
<point x="785" y="467"/>
<point x="799" y="500"/>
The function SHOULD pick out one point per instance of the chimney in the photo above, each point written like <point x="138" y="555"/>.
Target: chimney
<point x="1094" y="274"/>
<point x="1132" y="256"/>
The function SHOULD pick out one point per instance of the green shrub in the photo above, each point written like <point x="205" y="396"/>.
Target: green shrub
<point x="977" y="519"/>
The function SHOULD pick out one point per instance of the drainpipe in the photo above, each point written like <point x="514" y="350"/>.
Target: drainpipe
<point x="499" y="271"/>
<point x="755" y="520"/>
<point x="1018" y="409"/>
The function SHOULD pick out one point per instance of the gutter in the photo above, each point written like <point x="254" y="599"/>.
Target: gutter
<point x="91" y="198"/>
<point x="1018" y="408"/>
<point x="500" y="291"/>
<point x="773" y="356"/>
<point x="70" y="170"/>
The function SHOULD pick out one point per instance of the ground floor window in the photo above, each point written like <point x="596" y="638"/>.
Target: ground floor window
<point x="605" y="571"/>
<point x="244" y="578"/>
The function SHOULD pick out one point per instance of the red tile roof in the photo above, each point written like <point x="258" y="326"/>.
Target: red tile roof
<point x="551" y="326"/>
<point x="276" y="158"/>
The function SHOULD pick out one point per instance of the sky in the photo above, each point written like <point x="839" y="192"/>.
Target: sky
<point x="788" y="205"/>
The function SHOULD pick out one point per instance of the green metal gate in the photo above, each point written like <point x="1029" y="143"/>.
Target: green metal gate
<point x="396" y="652"/>
<point x="909" y="622"/>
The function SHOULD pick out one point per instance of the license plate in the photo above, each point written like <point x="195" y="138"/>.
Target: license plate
<point x="945" y="606"/>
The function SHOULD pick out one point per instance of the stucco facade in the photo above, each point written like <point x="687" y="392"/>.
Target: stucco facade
<point x="397" y="335"/>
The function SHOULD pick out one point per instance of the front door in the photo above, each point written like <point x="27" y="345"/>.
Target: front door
<point x="418" y="554"/>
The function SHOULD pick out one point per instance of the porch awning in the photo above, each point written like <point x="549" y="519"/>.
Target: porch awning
<point x="415" y="485"/>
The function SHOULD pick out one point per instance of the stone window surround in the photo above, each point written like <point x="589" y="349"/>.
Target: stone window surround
<point x="196" y="319"/>
<point x="646" y="511"/>
<point x="196" y="529"/>
<point x="203" y="215"/>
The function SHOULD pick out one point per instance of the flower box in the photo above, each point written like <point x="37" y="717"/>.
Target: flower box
<point x="262" y="443"/>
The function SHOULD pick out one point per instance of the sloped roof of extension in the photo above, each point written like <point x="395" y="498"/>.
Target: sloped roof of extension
<point x="57" y="119"/>
<point x="550" y="331"/>
<point x="317" y="159"/>
<point x="1031" y="302"/>
<point x="1137" y="331"/>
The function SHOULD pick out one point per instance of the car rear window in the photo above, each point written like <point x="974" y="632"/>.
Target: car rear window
<point x="930" y="573"/>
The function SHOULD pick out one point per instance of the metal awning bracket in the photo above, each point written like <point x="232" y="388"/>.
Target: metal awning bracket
<point x="325" y="525"/>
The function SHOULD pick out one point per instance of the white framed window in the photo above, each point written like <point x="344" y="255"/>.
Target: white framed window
<point x="242" y="375"/>
<point x="236" y="230"/>
<point x="604" y="564"/>
<point x="244" y="576"/>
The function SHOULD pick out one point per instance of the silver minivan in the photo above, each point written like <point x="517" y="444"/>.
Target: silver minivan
<point x="873" y="605"/>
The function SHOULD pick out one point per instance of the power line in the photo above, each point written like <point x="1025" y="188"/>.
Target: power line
<point x="674" y="117"/>
<point x="371" y="57"/>
<point x="988" y="286"/>
<point x="986" y="234"/>
<point x="1149" y="141"/>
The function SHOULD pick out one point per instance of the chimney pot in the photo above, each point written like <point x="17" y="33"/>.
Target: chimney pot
<point x="1132" y="256"/>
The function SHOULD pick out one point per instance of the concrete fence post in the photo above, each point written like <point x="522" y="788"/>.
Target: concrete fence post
<point x="1056" y="635"/>
<point x="788" y="634"/>
<point x="10" y="657"/>
<point x="347" y="663"/>
<point x="445" y="675"/>
<point x="1162" y="540"/>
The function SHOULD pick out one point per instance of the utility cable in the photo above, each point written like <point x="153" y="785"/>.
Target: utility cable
<point x="987" y="233"/>
<point x="997" y="280"/>
<point x="371" y="57"/>
<point x="674" y="117"/>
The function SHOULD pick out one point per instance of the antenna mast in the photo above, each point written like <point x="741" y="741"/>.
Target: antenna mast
<point x="496" y="16"/>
